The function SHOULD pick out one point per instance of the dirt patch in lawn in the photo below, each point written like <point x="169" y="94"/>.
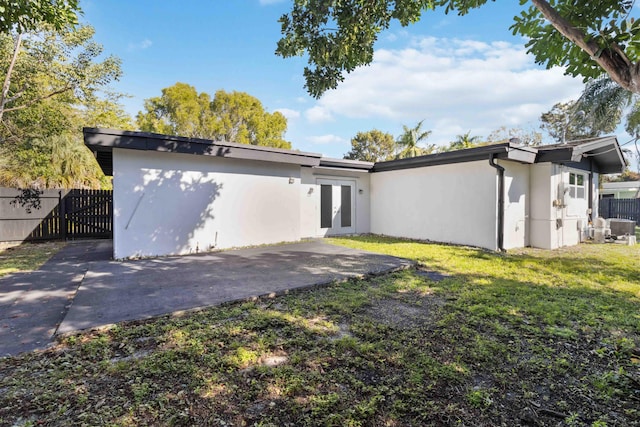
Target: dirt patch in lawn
<point x="403" y="314"/>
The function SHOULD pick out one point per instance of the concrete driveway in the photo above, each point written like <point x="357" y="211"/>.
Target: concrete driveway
<point x="80" y="288"/>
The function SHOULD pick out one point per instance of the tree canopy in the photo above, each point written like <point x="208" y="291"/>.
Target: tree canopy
<point x="372" y="146"/>
<point x="228" y="116"/>
<point x="56" y="82"/>
<point x="23" y="16"/>
<point x="48" y="64"/>
<point x="588" y="38"/>
<point x="525" y="137"/>
<point x="576" y="120"/>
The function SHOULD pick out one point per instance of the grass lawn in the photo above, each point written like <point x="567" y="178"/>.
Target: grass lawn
<point x="529" y="338"/>
<point x="27" y="256"/>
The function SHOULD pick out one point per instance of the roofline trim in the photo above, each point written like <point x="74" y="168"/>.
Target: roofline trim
<point x="506" y="151"/>
<point x="345" y="164"/>
<point x="105" y="140"/>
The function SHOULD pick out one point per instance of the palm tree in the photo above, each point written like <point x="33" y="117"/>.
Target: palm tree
<point x="464" y="141"/>
<point x="409" y="140"/>
<point x="60" y="161"/>
<point x="604" y="102"/>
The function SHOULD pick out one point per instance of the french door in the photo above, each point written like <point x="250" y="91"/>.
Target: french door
<point x="337" y="207"/>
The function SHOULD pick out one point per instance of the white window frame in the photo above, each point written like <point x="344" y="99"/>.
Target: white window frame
<point x="577" y="190"/>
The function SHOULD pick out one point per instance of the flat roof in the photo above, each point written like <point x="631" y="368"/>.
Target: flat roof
<point x="103" y="141"/>
<point x="603" y="154"/>
<point x="621" y="185"/>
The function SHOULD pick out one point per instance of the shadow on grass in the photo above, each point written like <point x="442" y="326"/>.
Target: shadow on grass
<point x="516" y="335"/>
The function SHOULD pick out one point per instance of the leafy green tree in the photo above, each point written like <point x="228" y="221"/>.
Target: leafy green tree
<point x="106" y="112"/>
<point x="229" y="116"/>
<point x="504" y="134"/>
<point x="241" y="118"/>
<point x="52" y="64"/>
<point x="626" y="176"/>
<point x="372" y="146"/>
<point x="180" y="110"/>
<point x="588" y="38"/>
<point x="59" y="161"/>
<point x="54" y="85"/>
<point x="409" y="140"/>
<point x="23" y="16"/>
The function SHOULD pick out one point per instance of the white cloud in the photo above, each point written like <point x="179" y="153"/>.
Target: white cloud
<point x="140" y="45"/>
<point x="326" y="139"/>
<point x="289" y="113"/>
<point x="455" y="85"/>
<point x="318" y="114"/>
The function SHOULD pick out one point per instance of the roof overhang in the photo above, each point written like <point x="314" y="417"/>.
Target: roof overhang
<point x="103" y="141"/>
<point x="506" y="151"/>
<point x="345" y="164"/>
<point x="604" y="153"/>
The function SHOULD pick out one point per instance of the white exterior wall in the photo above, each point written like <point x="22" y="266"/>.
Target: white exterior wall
<point x="542" y="214"/>
<point x="516" y="205"/>
<point x="557" y="219"/>
<point x="310" y="199"/>
<point x="448" y="203"/>
<point x="169" y="203"/>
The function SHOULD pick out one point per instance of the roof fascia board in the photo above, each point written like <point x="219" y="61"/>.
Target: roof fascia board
<point x="505" y="151"/>
<point x="345" y="164"/>
<point x="522" y="154"/>
<point x="105" y="140"/>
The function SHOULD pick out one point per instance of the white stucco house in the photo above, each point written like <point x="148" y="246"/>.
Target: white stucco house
<point x="620" y="190"/>
<point x="176" y="195"/>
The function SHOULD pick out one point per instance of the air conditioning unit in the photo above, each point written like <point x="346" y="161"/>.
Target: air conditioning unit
<point x="621" y="227"/>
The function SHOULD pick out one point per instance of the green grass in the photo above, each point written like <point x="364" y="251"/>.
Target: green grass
<point x="27" y="256"/>
<point x="545" y="337"/>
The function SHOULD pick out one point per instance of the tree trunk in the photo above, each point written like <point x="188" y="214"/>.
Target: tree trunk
<point x="4" y="96"/>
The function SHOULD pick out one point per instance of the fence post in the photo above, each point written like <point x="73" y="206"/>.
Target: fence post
<point x="62" y="225"/>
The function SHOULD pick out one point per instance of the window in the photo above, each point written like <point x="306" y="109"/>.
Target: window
<point x="326" y="206"/>
<point x="577" y="187"/>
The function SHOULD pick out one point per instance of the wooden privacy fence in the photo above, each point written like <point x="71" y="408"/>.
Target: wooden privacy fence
<point x="55" y="214"/>
<point x="620" y="208"/>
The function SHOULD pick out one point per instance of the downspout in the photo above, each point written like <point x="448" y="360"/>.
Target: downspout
<point x="500" y="170"/>
<point x="590" y="206"/>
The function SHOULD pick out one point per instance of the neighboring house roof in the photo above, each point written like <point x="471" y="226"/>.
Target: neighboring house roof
<point x="103" y="141"/>
<point x="601" y="155"/>
<point x="621" y="186"/>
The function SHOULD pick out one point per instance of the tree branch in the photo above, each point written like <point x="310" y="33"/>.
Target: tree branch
<point x="14" y="97"/>
<point x="7" y="78"/>
<point x="613" y="60"/>
<point x="36" y="100"/>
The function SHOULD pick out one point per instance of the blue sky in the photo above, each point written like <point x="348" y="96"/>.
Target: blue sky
<point x="458" y="74"/>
